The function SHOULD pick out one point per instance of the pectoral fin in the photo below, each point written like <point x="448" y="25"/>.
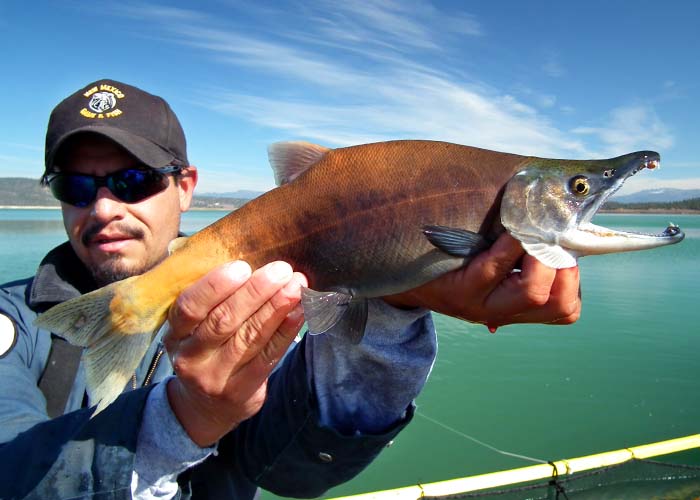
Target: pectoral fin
<point x="549" y="254"/>
<point x="335" y="310"/>
<point x="455" y="241"/>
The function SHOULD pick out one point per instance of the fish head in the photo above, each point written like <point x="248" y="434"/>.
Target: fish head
<point x="549" y="204"/>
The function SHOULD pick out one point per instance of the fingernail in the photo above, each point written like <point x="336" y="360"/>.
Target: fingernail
<point x="238" y="270"/>
<point x="295" y="284"/>
<point x="301" y="279"/>
<point x="279" y="271"/>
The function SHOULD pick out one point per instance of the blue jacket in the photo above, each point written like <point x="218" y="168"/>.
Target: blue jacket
<point x="284" y="448"/>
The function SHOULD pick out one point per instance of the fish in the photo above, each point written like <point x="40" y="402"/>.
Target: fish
<point x="362" y="222"/>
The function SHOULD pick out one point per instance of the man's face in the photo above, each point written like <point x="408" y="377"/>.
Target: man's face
<point x="112" y="238"/>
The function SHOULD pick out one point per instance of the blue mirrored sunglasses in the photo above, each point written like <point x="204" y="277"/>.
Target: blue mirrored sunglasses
<point x="130" y="185"/>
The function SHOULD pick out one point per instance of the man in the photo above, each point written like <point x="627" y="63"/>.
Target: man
<point x="239" y="413"/>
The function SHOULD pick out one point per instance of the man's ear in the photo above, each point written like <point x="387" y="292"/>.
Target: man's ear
<point x="186" y="182"/>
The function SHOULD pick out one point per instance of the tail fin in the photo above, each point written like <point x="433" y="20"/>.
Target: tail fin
<point x="116" y="331"/>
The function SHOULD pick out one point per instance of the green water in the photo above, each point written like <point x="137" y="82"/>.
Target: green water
<point x="625" y="374"/>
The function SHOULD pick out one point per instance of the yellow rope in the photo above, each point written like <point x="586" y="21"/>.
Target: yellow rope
<point x="534" y="472"/>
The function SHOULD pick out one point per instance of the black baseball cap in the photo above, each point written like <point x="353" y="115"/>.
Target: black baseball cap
<point x="140" y="122"/>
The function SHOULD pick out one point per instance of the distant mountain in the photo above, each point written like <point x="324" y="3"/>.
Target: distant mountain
<point x="663" y="195"/>
<point x="242" y="194"/>
<point x="23" y="192"/>
<point x="647" y="196"/>
<point x="684" y="206"/>
<point x="218" y="202"/>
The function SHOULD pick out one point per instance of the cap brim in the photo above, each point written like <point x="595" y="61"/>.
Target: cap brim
<point x="147" y="152"/>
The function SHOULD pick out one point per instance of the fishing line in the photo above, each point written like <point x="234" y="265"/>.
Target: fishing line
<point x="485" y="445"/>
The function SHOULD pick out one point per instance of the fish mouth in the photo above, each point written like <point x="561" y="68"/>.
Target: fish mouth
<point x="591" y="239"/>
<point x="587" y="238"/>
<point x="671" y="231"/>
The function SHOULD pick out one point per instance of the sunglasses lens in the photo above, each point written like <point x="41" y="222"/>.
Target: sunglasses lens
<point x="134" y="185"/>
<point x="131" y="185"/>
<point x="77" y="190"/>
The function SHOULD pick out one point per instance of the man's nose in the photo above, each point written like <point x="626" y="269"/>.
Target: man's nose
<point x="107" y="206"/>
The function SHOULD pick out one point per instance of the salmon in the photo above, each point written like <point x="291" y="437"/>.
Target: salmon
<point x="362" y="222"/>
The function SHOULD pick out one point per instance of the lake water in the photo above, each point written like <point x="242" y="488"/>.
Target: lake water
<point x="626" y="373"/>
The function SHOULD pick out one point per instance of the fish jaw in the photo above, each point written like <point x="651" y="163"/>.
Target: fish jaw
<point x="549" y="206"/>
<point x="591" y="239"/>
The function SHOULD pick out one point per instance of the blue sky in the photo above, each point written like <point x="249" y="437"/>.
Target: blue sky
<point x="549" y="78"/>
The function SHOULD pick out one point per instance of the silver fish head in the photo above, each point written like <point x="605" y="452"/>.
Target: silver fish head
<point x="548" y="205"/>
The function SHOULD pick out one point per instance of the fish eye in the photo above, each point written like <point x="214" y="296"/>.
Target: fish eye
<point x="579" y="186"/>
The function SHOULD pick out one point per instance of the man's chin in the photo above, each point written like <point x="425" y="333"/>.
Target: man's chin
<point x="119" y="267"/>
<point x="106" y="269"/>
<point x="106" y="274"/>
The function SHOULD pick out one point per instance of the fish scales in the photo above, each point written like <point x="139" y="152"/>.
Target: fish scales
<point x="354" y="221"/>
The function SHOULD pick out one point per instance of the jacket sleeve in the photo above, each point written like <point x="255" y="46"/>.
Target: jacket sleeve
<point x="367" y="387"/>
<point x="299" y="445"/>
<point x="285" y="448"/>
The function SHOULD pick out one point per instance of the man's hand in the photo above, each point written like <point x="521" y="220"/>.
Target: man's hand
<point x="227" y="332"/>
<point x="487" y="291"/>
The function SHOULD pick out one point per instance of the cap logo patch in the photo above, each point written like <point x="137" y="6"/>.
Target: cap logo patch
<point x="102" y="102"/>
<point x="8" y="335"/>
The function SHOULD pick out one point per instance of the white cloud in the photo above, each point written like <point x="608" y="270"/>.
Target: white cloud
<point x="413" y="105"/>
<point x="388" y="96"/>
<point x="141" y="11"/>
<point x="540" y="99"/>
<point x="393" y="23"/>
<point x="630" y="128"/>
<point x="352" y="81"/>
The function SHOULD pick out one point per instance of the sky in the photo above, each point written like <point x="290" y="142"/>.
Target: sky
<point x="575" y="79"/>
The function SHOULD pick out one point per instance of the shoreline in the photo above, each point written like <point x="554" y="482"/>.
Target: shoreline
<point x="28" y="207"/>
<point x="657" y="211"/>
<point x="43" y="207"/>
<point x="651" y="211"/>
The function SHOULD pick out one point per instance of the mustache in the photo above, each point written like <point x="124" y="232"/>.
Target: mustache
<point x="123" y="229"/>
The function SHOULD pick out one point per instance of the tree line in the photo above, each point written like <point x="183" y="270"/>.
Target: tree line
<point x="691" y="204"/>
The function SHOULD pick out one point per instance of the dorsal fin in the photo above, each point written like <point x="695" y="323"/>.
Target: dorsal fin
<point x="291" y="159"/>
